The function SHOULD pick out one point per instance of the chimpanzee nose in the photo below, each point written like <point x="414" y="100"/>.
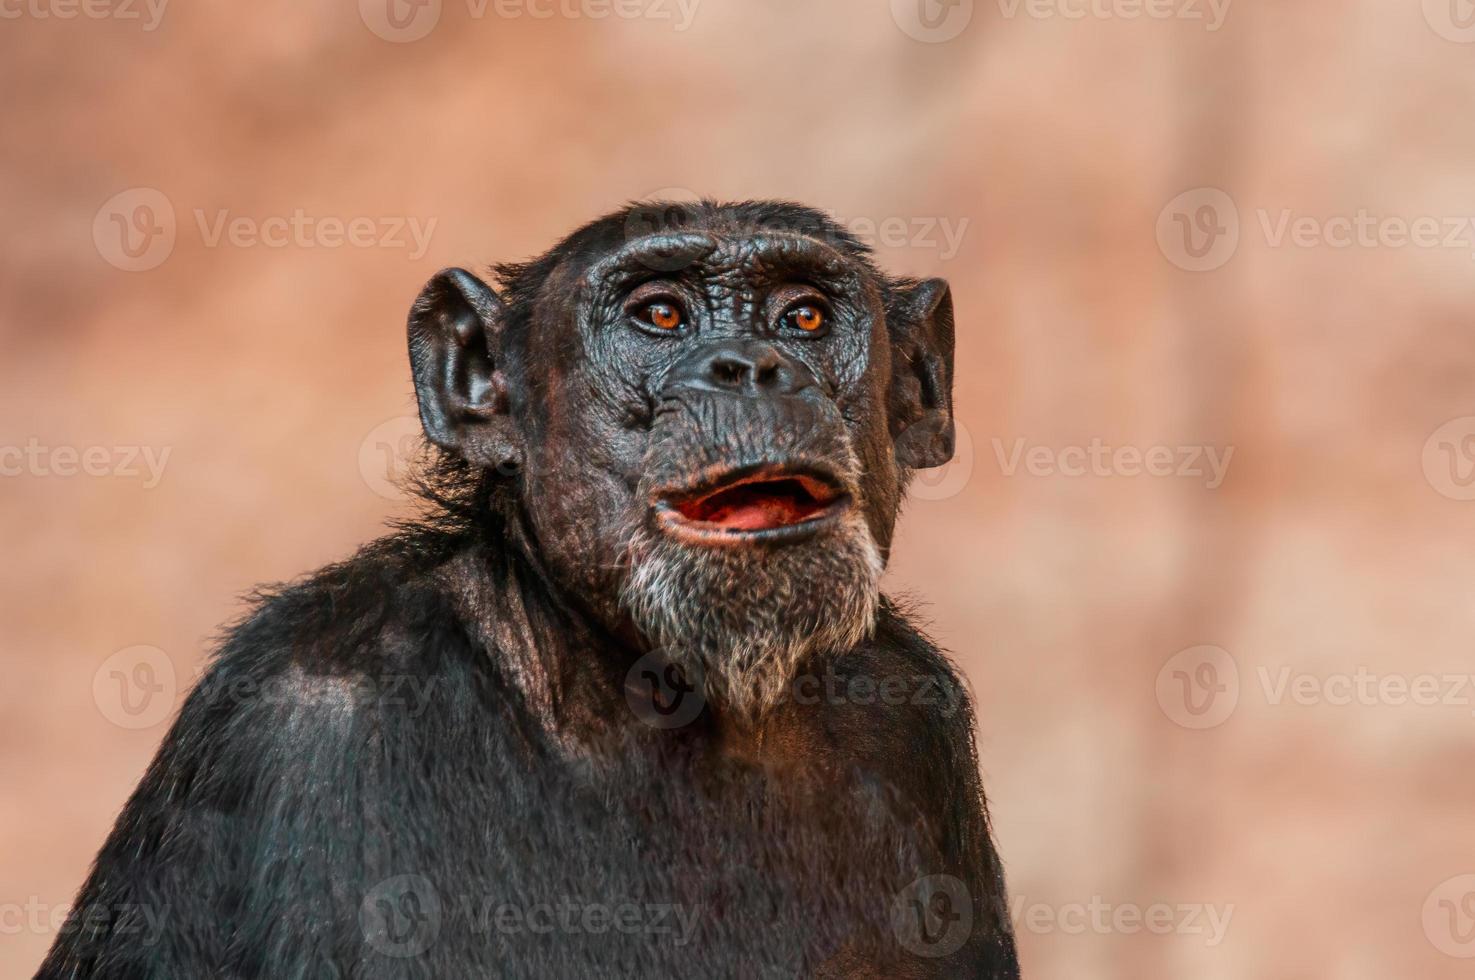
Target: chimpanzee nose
<point x="741" y="367"/>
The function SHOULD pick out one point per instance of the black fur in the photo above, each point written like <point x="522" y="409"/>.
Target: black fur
<point x="366" y="784"/>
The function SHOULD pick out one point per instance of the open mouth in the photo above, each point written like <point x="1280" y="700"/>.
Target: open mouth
<point x="766" y="503"/>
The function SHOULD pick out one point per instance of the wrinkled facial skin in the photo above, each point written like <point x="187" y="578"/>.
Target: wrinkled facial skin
<point x="712" y="429"/>
<point x="638" y="406"/>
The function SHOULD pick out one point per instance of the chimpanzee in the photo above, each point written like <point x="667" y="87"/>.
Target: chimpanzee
<point x="627" y="700"/>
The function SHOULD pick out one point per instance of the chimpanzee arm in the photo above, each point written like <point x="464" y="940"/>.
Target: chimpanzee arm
<point x="939" y="754"/>
<point x="221" y="857"/>
<point x="899" y="712"/>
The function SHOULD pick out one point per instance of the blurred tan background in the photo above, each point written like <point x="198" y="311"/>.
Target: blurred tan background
<point x="1225" y="710"/>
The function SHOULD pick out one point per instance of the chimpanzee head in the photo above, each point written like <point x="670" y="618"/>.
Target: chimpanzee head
<point x="704" y="416"/>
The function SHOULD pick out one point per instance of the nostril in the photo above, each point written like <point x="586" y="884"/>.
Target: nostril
<point x="728" y="370"/>
<point x="768" y="369"/>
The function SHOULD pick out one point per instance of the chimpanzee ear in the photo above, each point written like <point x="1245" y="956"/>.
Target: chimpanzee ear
<point x="921" y="397"/>
<point x="455" y="334"/>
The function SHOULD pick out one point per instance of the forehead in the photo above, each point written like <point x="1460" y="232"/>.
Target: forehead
<point x="737" y="258"/>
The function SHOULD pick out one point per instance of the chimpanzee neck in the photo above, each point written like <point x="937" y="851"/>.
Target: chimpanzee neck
<point x="568" y="668"/>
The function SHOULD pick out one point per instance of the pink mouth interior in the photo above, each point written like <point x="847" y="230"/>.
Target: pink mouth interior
<point x="760" y="504"/>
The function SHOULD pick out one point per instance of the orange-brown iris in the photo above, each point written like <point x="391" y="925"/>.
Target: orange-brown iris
<point x="808" y="318"/>
<point x="663" y="315"/>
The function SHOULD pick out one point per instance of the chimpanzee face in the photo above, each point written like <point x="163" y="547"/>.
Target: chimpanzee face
<point x="711" y="431"/>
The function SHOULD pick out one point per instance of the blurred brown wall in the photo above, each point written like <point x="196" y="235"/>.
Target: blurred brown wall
<point x="1157" y="659"/>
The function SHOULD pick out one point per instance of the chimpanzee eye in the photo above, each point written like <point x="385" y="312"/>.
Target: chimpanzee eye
<point x="662" y="315"/>
<point x="807" y="318"/>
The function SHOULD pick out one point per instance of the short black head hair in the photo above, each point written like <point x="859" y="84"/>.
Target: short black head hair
<point x="518" y="282"/>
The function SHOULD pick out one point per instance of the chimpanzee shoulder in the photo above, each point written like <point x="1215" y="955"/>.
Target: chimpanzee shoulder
<point x="354" y="615"/>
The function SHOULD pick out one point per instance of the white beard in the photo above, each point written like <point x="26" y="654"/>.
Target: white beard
<point x="747" y="617"/>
